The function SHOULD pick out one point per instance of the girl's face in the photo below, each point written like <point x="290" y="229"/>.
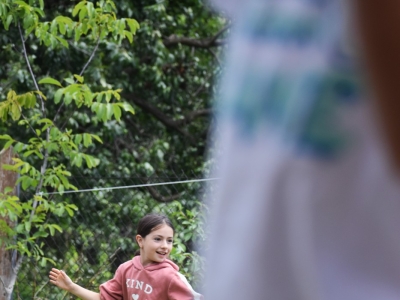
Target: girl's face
<point x="156" y="246"/>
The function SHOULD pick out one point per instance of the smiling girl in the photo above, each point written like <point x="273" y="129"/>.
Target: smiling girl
<point x="149" y="276"/>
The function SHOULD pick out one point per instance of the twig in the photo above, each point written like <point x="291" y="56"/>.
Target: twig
<point x="42" y="171"/>
<point x="202" y="85"/>
<point x="72" y="44"/>
<point x="80" y="74"/>
<point x="222" y="30"/>
<point x="111" y="260"/>
<point x="115" y="253"/>
<point x="9" y="83"/>
<point x="46" y="152"/>
<point x="215" y="56"/>
<point x="40" y="289"/>
<point x="158" y="114"/>
<point x="30" y="69"/>
<point x="199" y="43"/>
<point x="189" y="117"/>
<point x="158" y="197"/>
<point x="91" y="56"/>
<point x="29" y="124"/>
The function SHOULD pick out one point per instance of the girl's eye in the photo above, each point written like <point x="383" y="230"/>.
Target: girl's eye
<point x="157" y="239"/>
<point x="170" y="241"/>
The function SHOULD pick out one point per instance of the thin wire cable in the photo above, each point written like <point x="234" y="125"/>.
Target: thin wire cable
<point x="128" y="186"/>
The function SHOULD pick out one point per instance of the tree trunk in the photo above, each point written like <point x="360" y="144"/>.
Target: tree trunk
<point x="7" y="265"/>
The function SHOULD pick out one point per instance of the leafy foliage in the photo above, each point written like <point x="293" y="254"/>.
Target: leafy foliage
<point x="75" y="115"/>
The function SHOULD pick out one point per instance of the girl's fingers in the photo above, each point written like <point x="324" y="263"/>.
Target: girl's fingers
<point x="54" y="275"/>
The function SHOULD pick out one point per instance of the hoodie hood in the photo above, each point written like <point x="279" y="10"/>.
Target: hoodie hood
<point x="155" y="266"/>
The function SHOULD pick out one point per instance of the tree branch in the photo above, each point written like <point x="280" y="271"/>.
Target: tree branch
<point x="213" y="41"/>
<point x="193" y="115"/>
<point x="158" y="197"/>
<point x="167" y="121"/>
<point x="215" y="56"/>
<point x="13" y="277"/>
<point x="220" y="32"/>
<point x="201" y="87"/>
<point x="158" y="114"/>
<point x="40" y="289"/>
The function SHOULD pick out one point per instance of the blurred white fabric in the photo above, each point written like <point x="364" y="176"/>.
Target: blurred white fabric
<point x="307" y="207"/>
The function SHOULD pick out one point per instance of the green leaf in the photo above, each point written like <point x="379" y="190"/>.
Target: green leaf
<point x="60" y="188"/>
<point x="39" y="11"/>
<point x="15" y="111"/>
<point x="83" y="13"/>
<point x="8" y="22"/>
<point x="5" y="137"/>
<point x="46" y="121"/>
<point x="51" y="230"/>
<point x="90" y="10"/>
<point x="26" y="182"/>
<point x="38" y="154"/>
<point x="117" y="95"/>
<point x="78" y="139"/>
<point x="78" y="33"/>
<point x="28" y="153"/>
<point x="28" y="226"/>
<point x="64" y="180"/>
<point x="88" y="95"/>
<point x="8" y="189"/>
<point x="57" y="227"/>
<point x="99" y="97"/>
<point x="30" y="100"/>
<point x="69" y="211"/>
<point x="133" y="25"/>
<point x="97" y="138"/>
<point x="109" y="107"/>
<point x="49" y="80"/>
<point x="87" y="140"/>
<point x="99" y="109"/>
<point x="108" y="96"/>
<point x="78" y="7"/>
<point x="67" y="98"/>
<point x="77" y="159"/>
<point x="58" y="95"/>
<point x="41" y="94"/>
<point x="91" y="161"/>
<point x="61" y="27"/>
<point x="129" y="35"/>
<point x="127" y="107"/>
<point x="40" y="234"/>
<point x="117" y="112"/>
<point x="62" y="41"/>
<point x="43" y="262"/>
<point x="79" y="78"/>
<point x="69" y="80"/>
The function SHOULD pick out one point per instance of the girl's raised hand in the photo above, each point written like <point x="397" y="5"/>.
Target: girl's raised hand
<point x="60" y="279"/>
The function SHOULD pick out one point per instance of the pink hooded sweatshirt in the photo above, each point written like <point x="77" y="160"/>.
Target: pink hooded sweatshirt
<point x="159" y="281"/>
